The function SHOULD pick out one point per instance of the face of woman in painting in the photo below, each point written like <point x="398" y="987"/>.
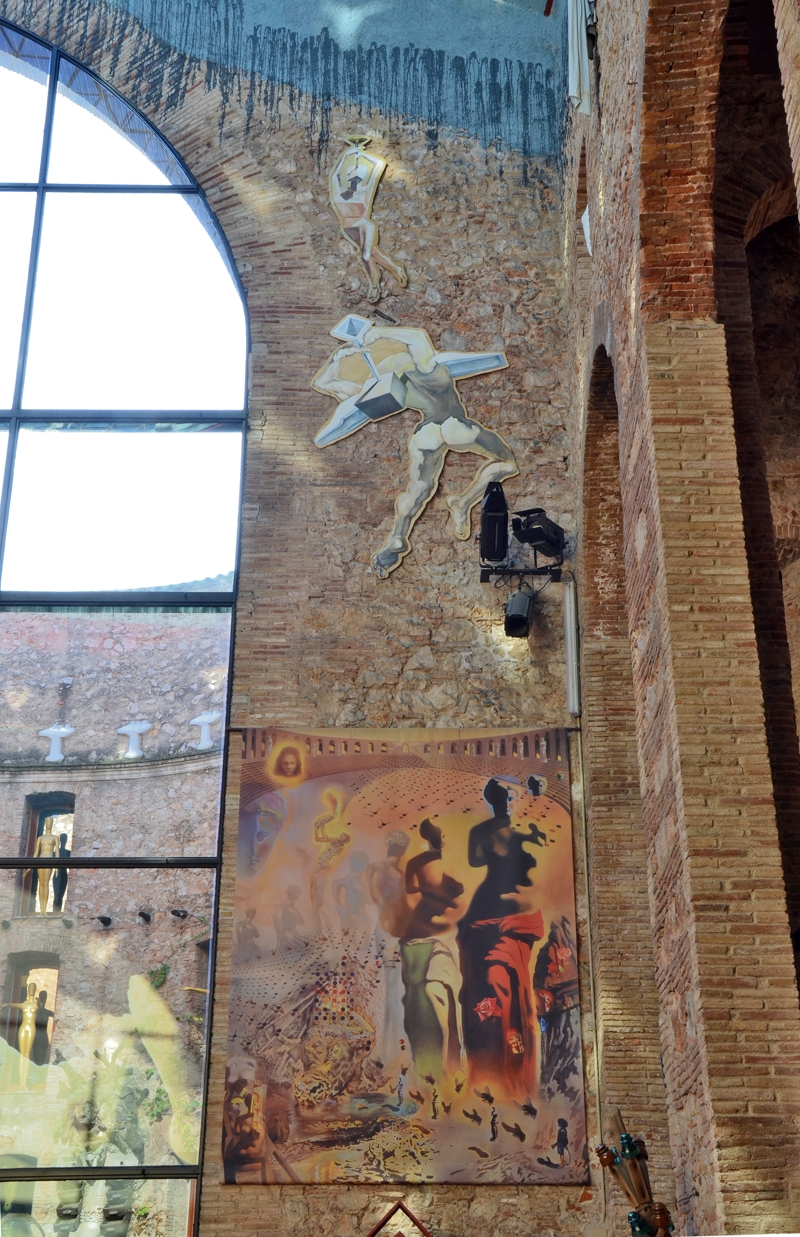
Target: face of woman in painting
<point x="288" y="763"/>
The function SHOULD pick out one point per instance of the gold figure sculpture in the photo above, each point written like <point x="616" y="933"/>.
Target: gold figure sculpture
<point x="353" y="185"/>
<point x="27" y="1030"/>
<point x="47" y="847"/>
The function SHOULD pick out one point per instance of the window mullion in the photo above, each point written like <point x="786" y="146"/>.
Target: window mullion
<point x="5" y="493"/>
<point x="37" y="231"/>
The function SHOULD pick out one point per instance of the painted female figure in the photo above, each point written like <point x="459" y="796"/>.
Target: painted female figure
<point x="495" y="940"/>
<point x="430" y="975"/>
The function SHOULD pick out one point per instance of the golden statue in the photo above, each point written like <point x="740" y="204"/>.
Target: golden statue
<point x="47" y="847"/>
<point x="27" y="1030"/>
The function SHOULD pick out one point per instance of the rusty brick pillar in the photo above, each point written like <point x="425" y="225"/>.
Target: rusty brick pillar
<point x="627" y="1000"/>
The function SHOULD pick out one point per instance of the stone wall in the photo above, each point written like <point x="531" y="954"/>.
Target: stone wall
<point x="321" y="640"/>
<point x="495" y="259"/>
<point x="98" y="670"/>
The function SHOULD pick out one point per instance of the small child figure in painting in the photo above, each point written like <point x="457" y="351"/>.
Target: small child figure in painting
<point x="561" y="1145"/>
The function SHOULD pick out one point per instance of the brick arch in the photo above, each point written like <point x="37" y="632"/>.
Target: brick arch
<point x="682" y="62"/>
<point x="753" y="188"/>
<point x="754" y="194"/>
<point x="787" y="543"/>
<point x="776" y="203"/>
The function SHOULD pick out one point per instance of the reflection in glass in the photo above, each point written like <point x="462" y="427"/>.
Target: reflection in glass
<point x="109" y="510"/>
<point x="102" y="1038"/>
<point x="99" y="140"/>
<point x="3" y="447"/>
<point x="16" y="224"/>
<point x="135" y="307"/>
<point x="114" y="1208"/>
<point x="49" y="834"/>
<point x="98" y="670"/>
<point x="24" y="66"/>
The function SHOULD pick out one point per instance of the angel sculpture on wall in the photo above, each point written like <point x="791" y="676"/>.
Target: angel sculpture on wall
<point x="353" y="185"/>
<point x="379" y="371"/>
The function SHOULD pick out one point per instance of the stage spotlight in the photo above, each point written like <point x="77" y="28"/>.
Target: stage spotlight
<point x="519" y="612"/>
<point x="494" y="524"/>
<point x="535" y="528"/>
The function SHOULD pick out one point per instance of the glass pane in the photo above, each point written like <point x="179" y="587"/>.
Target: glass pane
<point x="134" y="510"/>
<point x="147" y="1208"/>
<point x="111" y="726"/>
<point x="135" y="307"/>
<point x="24" y="67"/>
<point x="16" y="224"/>
<point x="3" y="447"/>
<point x="99" y="140"/>
<point x="102" y="1036"/>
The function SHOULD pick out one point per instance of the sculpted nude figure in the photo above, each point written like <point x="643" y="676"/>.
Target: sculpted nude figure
<point x="429" y="378"/>
<point x="27" y="1029"/>
<point x="47" y="847"/>
<point x="353" y="185"/>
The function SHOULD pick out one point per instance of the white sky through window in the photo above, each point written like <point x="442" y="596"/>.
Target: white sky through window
<point x="16" y="224"/>
<point x="134" y="308"/>
<point x="96" y="511"/>
<point x="23" y="100"/>
<point x="85" y="149"/>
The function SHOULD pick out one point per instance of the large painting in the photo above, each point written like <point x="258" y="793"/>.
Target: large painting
<point x="404" y="993"/>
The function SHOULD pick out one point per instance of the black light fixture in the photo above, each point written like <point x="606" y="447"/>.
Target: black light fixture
<point x="105" y="920"/>
<point x="532" y="527"/>
<point x="494" y="524"/>
<point x="145" y="915"/>
<point x="519" y="613"/>
<point x="180" y="914"/>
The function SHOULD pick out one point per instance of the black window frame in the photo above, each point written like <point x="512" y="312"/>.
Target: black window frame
<point x="165" y="602"/>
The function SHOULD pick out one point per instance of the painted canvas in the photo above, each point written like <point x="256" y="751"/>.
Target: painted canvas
<point x="404" y="994"/>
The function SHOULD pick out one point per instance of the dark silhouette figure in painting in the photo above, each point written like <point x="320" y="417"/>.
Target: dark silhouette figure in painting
<point x="555" y="986"/>
<point x="495" y="942"/>
<point x="430" y="975"/>
<point x="561" y="1146"/>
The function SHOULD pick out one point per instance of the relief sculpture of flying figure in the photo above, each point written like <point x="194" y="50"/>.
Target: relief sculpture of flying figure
<point x="353" y="185"/>
<point x="380" y="371"/>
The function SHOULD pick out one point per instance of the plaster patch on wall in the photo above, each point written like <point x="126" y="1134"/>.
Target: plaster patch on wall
<point x="486" y="89"/>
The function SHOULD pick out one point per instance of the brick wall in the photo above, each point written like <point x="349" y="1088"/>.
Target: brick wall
<point x="494" y="254"/>
<point x="629" y="1066"/>
<point x="728" y="1005"/>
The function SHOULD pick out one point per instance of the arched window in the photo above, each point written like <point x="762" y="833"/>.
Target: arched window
<point x="123" y="348"/>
